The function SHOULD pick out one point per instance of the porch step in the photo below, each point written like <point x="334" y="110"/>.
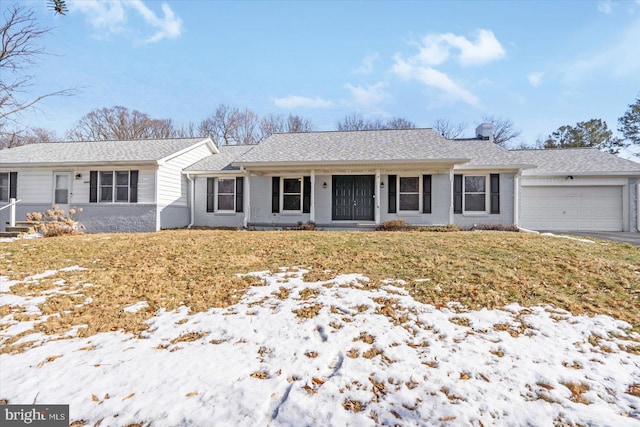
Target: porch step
<point x="21" y="227"/>
<point x="10" y="234"/>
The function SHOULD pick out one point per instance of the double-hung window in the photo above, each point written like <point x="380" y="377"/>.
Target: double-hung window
<point x="475" y="193"/>
<point x="113" y="186"/>
<point x="292" y="194"/>
<point x="225" y="195"/>
<point x="8" y="185"/>
<point x="409" y="194"/>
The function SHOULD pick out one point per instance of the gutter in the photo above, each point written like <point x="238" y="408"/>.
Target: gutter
<point x="192" y="207"/>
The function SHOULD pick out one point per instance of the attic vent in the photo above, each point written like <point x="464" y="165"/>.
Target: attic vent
<point x="485" y="132"/>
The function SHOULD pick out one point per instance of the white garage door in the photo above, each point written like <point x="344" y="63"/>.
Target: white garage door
<point x="572" y="208"/>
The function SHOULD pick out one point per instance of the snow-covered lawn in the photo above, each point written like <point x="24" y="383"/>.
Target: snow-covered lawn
<point x="332" y="353"/>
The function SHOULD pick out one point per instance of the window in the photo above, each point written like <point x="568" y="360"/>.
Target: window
<point x="8" y="186"/>
<point x="409" y="193"/>
<point x="475" y="193"/>
<point x="291" y="194"/>
<point x="110" y="186"/>
<point x="226" y="194"/>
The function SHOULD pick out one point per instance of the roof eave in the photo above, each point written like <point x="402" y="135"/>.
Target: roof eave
<point x="325" y="163"/>
<point x="78" y="164"/>
<point x="583" y="173"/>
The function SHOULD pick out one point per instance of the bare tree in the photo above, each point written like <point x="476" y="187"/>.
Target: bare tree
<point x="119" y="123"/>
<point x="27" y="136"/>
<point x="448" y="129"/>
<point x="278" y="124"/>
<point x="355" y="121"/>
<point x="503" y="129"/>
<point x="19" y="50"/>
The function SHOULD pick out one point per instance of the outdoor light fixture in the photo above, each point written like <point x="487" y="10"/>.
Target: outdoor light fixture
<point x="324" y="185"/>
<point x="78" y="175"/>
<point x="569" y="177"/>
<point x="381" y="184"/>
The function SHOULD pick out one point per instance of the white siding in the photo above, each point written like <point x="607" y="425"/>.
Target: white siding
<point x="146" y="182"/>
<point x="172" y="185"/>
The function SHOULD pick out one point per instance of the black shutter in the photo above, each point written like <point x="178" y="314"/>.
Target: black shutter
<point x="275" y="194"/>
<point x="13" y="185"/>
<point x="306" y="195"/>
<point x="240" y="194"/>
<point x="495" y="193"/>
<point x="457" y="194"/>
<point x="93" y="186"/>
<point x="426" y="194"/>
<point x="392" y="194"/>
<point x="210" y="194"/>
<point x="133" y="187"/>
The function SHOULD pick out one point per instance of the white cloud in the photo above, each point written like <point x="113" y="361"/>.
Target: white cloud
<point x="368" y="96"/>
<point x="431" y="77"/>
<point x="110" y="17"/>
<point x="367" y="64"/>
<point x="605" y="7"/>
<point x="436" y="49"/>
<point x="301" y="101"/>
<point x="535" y="78"/>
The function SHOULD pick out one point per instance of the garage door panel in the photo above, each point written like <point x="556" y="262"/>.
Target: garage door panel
<point x="572" y="208"/>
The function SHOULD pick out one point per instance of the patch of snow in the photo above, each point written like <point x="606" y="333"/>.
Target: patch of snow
<point x="567" y="237"/>
<point x="368" y="357"/>
<point x="134" y="308"/>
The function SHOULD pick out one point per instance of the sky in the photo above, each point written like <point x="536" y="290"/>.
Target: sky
<point x="368" y="357"/>
<point x="540" y="64"/>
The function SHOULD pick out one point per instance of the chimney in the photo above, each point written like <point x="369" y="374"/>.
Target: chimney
<point x="485" y="132"/>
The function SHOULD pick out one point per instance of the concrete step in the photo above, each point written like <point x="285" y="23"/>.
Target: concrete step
<point x="18" y="229"/>
<point x="10" y="234"/>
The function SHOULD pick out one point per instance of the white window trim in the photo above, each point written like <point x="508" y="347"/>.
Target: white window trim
<point x="114" y="186"/>
<point x="407" y="212"/>
<point x="282" y="194"/>
<point x="487" y="196"/>
<point x="216" y="193"/>
<point x="8" y="187"/>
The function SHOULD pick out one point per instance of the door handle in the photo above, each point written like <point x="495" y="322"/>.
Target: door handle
<point x="355" y="203"/>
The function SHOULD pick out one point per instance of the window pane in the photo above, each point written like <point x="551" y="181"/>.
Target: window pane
<point x="106" y="178"/>
<point x="106" y="194"/>
<point x="226" y="186"/>
<point x="409" y="185"/>
<point x="225" y="202"/>
<point x="291" y="203"/>
<point x="409" y="202"/>
<point x="292" y="185"/>
<point x="474" y="184"/>
<point x="122" y="178"/>
<point x="61" y="197"/>
<point x="4" y="187"/>
<point x="474" y="202"/>
<point x="122" y="194"/>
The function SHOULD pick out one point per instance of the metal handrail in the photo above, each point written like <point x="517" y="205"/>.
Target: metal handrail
<point x="11" y="203"/>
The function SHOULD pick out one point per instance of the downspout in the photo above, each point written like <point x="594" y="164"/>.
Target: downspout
<point x="638" y="206"/>
<point x="192" y="201"/>
<point x="247" y="197"/>
<point x="516" y="198"/>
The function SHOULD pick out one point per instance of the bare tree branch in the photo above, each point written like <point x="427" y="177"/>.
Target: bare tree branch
<point x="448" y="129"/>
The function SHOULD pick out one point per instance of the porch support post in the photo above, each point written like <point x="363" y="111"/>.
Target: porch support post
<point x="451" y="217"/>
<point x="312" y="207"/>
<point x="378" y="196"/>
<point x="12" y="213"/>
<point x="247" y="198"/>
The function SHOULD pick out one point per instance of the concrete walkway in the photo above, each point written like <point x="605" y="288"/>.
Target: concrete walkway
<point x="618" y="236"/>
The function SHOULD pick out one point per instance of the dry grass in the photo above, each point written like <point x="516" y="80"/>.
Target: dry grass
<point x="199" y="268"/>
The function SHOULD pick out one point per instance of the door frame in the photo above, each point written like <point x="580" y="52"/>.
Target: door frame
<point x="371" y="180"/>
<point x="69" y="175"/>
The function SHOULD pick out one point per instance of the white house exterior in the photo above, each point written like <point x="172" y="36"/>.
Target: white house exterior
<point x="120" y="185"/>
<point x="356" y="179"/>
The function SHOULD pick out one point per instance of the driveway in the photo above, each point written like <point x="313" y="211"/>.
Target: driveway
<point x="618" y="236"/>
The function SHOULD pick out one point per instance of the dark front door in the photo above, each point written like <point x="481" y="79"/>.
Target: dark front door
<point x="353" y="197"/>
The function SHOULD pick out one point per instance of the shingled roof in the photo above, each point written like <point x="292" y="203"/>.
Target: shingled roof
<point x="378" y="146"/>
<point x="96" y="152"/>
<point x="576" y="161"/>
<point x="221" y="161"/>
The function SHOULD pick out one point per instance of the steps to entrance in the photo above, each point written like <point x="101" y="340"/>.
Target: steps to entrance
<point x="21" y="228"/>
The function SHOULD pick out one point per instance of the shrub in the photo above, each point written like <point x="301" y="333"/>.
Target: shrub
<point x="55" y="222"/>
<point x="440" y="228"/>
<point x="309" y="226"/>
<point x="393" y="225"/>
<point x="493" y="227"/>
